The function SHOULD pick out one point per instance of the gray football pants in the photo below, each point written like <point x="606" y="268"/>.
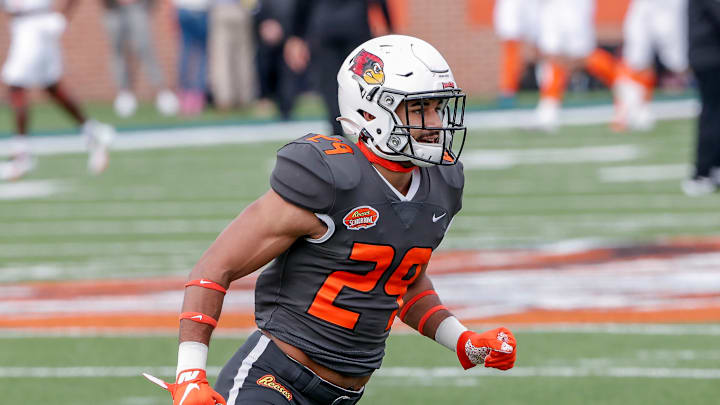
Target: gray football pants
<point x="130" y="25"/>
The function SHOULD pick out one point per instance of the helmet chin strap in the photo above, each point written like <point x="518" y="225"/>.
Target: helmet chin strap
<point x="388" y="164"/>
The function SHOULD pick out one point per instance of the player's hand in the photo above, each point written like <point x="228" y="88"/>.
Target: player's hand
<point x="495" y="348"/>
<point x="191" y="388"/>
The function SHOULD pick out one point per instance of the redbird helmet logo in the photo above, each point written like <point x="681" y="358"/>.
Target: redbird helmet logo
<point x="369" y="67"/>
<point x="361" y="218"/>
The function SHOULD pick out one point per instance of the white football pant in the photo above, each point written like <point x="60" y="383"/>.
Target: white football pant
<point x="517" y="20"/>
<point x="567" y="28"/>
<point x="34" y="57"/>
<point x="656" y="25"/>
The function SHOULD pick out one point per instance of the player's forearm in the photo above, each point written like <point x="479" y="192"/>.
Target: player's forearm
<point x="423" y="310"/>
<point x="417" y="303"/>
<point x="200" y="313"/>
<point x="200" y="301"/>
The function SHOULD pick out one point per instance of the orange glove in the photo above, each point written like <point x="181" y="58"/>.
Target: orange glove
<point x="494" y="348"/>
<point x="191" y="388"/>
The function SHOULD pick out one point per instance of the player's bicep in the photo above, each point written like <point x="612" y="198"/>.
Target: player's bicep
<point x="263" y="231"/>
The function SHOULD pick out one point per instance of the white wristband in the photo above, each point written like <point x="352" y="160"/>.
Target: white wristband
<point x="449" y="331"/>
<point x="191" y="355"/>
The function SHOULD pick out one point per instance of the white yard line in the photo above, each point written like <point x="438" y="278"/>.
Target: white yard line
<point x="283" y="131"/>
<point x="31" y="189"/>
<point x="589" y="115"/>
<point x="628" y="174"/>
<point x="400" y="373"/>
<point x="489" y="159"/>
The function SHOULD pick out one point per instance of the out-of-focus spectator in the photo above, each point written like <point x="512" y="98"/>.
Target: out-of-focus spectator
<point x="515" y="22"/>
<point x="35" y="60"/>
<point x="650" y="26"/>
<point x="567" y="41"/>
<point x="327" y="30"/>
<point x="128" y="25"/>
<point x="232" y="53"/>
<point x="704" y="30"/>
<point x="278" y="82"/>
<point x="193" y="18"/>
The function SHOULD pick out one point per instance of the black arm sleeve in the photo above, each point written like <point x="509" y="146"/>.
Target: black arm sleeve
<point x="302" y="177"/>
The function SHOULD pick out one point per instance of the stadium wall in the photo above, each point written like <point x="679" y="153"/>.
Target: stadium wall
<point x="460" y="29"/>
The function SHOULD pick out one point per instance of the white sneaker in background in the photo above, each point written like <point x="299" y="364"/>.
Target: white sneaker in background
<point x="125" y="104"/>
<point x="698" y="186"/>
<point x="98" y="137"/>
<point x="17" y="167"/>
<point x="643" y="119"/>
<point x="632" y="110"/>
<point x="167" y="103"/>
<point x="547" y="114"/>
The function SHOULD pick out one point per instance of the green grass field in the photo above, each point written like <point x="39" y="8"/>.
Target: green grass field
<point x="155" y="211"/>
<point x="552" y="368"/>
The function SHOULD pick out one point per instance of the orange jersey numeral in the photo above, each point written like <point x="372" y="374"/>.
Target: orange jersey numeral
<point x="338" y="145"/>
<point x="397" y="284"/>
<point x="323" y="305"/>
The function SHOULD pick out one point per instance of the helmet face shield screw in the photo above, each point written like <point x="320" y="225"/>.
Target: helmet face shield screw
<point x="389" y="100"/>
<point x="394" y="141"/>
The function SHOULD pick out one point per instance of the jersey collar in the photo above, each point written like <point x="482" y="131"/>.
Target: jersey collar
<point x="414" y="185"/>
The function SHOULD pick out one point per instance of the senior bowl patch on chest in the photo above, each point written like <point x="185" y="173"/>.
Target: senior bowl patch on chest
<point x="269" y="381"/>
<point x="362" y="217"/>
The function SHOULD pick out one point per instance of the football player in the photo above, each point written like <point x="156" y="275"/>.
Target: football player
<point x="649" y="26"/>
<point x="567" y="41"/>
<point x="34" y="60"/>
<point x="350" y="225"/>
<point x="515" y="22"/>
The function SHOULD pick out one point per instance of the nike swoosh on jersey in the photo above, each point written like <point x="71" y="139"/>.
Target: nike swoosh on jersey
<point x="435" y="219"/>
<point x="189" y="388"/>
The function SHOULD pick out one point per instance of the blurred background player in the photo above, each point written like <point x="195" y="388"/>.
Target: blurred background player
<point x="193" y="18"/>
<point x="35" y="60"/>
<point x="567" y="41"/>
<point x="515" y="22"/>
<point x="273" y="21"/>
<point x="704" y="33"/>
<point x="323" y="33"/>
<point x="232" y="53"/>
<point x="650" y="26"/>
<point x="128" y="26"/>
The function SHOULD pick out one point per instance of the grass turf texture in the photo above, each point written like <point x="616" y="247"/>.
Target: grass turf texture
<point x="155" y="211"/>
<point x="535" y="350"/>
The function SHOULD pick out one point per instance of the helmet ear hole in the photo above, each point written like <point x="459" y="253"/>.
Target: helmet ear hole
<point x="366" y="115"/>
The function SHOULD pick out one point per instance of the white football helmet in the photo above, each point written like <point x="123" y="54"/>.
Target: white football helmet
<point x="381" y="73"/>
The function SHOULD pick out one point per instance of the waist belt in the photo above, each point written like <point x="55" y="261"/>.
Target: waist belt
<point x="310" y="384"/>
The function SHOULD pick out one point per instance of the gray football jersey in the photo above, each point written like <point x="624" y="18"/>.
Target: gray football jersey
<point x="336" y="297"/>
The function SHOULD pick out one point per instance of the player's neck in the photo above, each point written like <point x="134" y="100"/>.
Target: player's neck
<point x="399" y="180"/>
